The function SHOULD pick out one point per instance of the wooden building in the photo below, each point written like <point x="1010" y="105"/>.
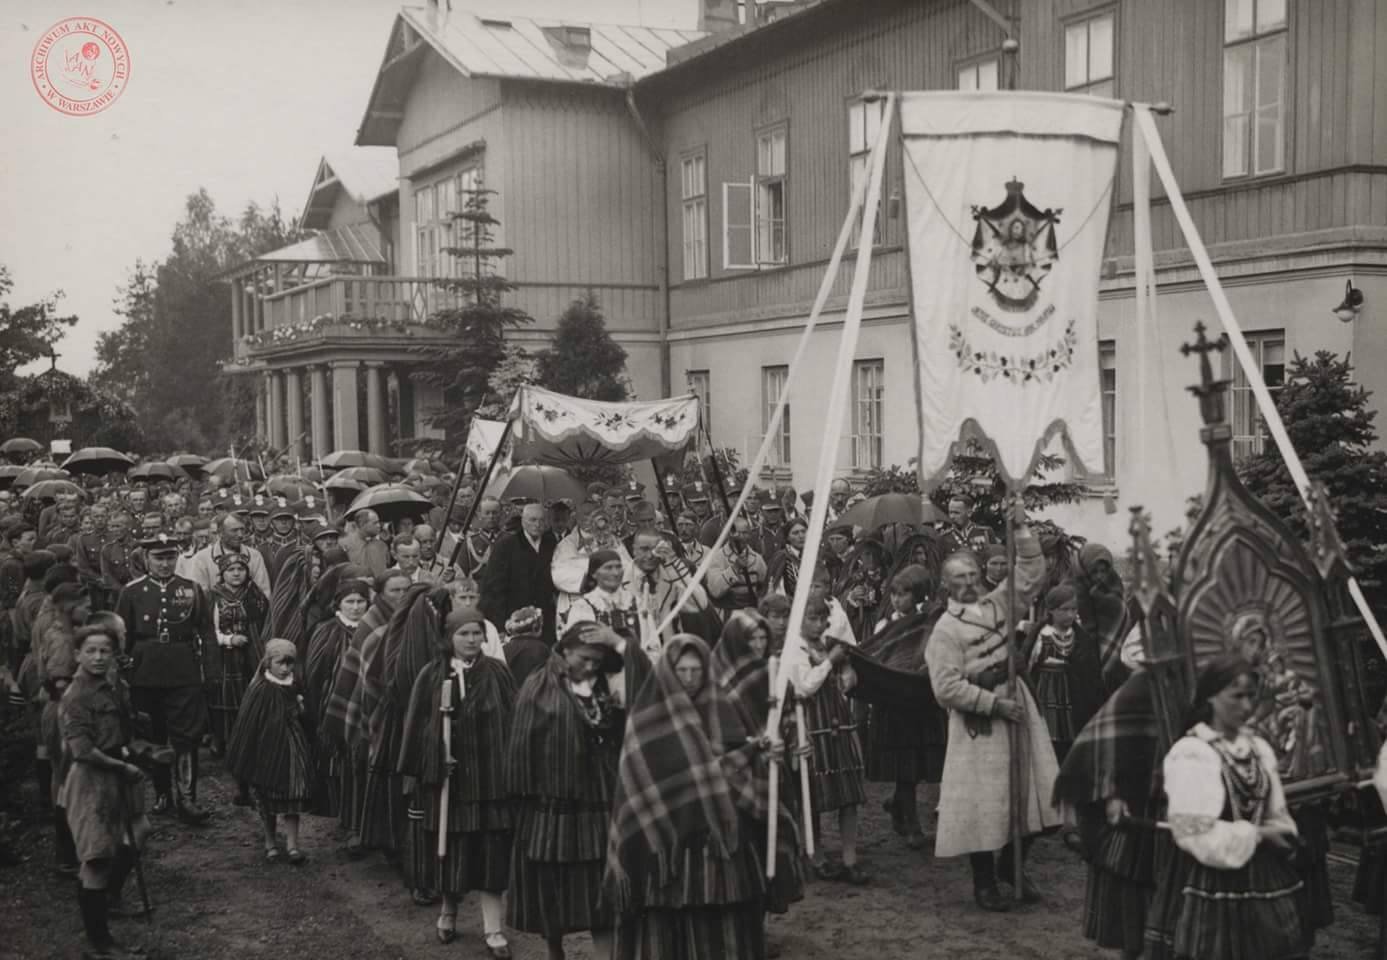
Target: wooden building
<point x="1277" y="140"/>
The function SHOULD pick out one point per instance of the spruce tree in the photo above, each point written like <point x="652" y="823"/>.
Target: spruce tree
<point x="478" y="321"/>
<point x="1328" y="419"/>
<point x="584" y="360"/>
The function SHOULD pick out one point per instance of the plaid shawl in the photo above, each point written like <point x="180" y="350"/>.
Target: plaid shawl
<point x="286" y="595"/>
<point x="890" y="665"/>
<point x="481" y="725"/>
<point x="684" y="773"/>
<point x="344" y="722"/>
<point x="1116" y="753"/>
<point x="743" y="675"/>
<point x="326" y="649"/>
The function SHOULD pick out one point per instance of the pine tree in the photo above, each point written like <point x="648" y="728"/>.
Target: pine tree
<point x="584" y="360"/>
<point x="1331" y="427"/>
<point x="478" y="322"/>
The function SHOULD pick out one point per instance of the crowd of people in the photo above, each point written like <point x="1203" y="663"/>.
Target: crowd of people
<point x="545" y="709"/>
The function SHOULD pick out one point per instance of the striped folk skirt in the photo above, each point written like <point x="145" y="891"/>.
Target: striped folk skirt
<point x="229" y="672"/>
<point x="1120" y="880"/>
<point x="694" y="933"/>
<point x="905" y="745"/>
<point x="835" y="765"/>
<point x="351" y="788"/>
<point x="1051" y="685"/>
<point x="473" y="860"/>
<point x="273" y="803"/>
<point x="383" y="811"/>
<point x="557" y="863"/>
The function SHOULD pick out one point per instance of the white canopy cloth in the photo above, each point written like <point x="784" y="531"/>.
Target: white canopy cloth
<point x="556" y="430"/>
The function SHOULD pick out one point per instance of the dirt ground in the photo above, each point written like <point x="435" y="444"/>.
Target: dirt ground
<point x="217" y="900"/>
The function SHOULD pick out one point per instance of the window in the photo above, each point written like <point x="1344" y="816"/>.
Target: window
<point x="1107" y="389"/>
<point x="699" y="384"/>
<point x="979" y="75"/>
<point x="1088" y="56"/>
<point x="864" y="125"/>
<point x="693" y="191"/>
<point x="1254" y="87"/>
<point x="770" y="196"/>
<point x="1249" y="431"/>
<point x="773" y="380"/>
<point x="435" y="230"/>
<point x="868" y="395"/>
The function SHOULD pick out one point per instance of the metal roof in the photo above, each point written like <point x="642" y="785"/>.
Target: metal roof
<point x="355" y="243"/>
<point x="366" y="173"/>
<point x="510" y="48"/>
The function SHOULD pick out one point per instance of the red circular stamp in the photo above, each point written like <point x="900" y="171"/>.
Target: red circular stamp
<point x="80" y="66"/>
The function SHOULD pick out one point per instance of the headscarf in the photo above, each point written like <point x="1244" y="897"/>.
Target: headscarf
<point x="679" y="785"/>
<point x="460" y="617"/>
<point x="1090" y="554"/>
<point x="276" y="648"/>
<point x="596" y="561"/>
<point x="744" y="675"/>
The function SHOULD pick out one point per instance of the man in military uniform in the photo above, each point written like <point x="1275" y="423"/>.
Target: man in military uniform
<point x="167" y="619"/>
<point x="121" y="559"/>
<point x="696" y="498"/>
<point x="87" y="547"/>
<point x="258" y="510"/>
<point x="770" y="533"/>
<point x="65" y="524"/>
<point x="686" y="529"/>
<point x="283" y="536"/>
<point x="477" y="544"/>
<point x="960" y="532"/>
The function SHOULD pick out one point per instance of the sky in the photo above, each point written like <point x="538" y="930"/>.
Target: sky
<point x="241" y="96"/>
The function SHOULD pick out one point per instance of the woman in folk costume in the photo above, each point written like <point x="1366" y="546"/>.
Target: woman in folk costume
<point x="239" y="611"/>
<point x="993" y="559"/>
<point x="270" y="749"/>
<point x="604" y="600"/>
<point x="906" y="744"/>
<point x="1102" y="605"/>
<point x="819" y="673"/>
<point x="319" y="604"/>
<point x="1111" y="783"/>
<point x="1063" y="670"/>
<point x="741" y="667"/>
<point x="1231" y="891"/>
<point x="862" y="595"/>
<point x="683" y="871"/>
<point x="561" y="769"/>
<point x="353" y="698"/>
<point x="326" y="648"/>
<point x="454" y="746"/>
<point x="782" y="569"/>
<point x="468" y="593"/>
<point x="299" y="570"/>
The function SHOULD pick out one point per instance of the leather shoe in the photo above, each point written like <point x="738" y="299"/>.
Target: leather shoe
<point x="991" y="900"/>
<point x="497" y="946"/>
<point x="424" y="898"/>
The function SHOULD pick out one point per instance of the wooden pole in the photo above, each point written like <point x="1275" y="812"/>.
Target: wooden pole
<point x="472" y="509"/>
<point x="446" y="708"/>
<point x="1015" y="733"/>
<point x="773" y="806"/>
<point x="806" y="800"/>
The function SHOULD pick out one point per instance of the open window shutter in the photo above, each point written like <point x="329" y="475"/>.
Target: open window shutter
<point x="738" y="226"/>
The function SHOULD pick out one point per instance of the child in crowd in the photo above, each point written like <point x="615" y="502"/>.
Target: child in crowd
<point x="1064" y="670"/>
<point x="269" y="749"/>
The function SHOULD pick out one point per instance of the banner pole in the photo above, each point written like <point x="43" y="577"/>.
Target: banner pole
<point x="481" y="489"/>
<point x="1014" y="732"/>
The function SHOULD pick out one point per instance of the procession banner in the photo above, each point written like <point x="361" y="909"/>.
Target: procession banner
<point x="557" y="430"/>
<point x="1008" y="197"/>
<point x="483" y="437"/>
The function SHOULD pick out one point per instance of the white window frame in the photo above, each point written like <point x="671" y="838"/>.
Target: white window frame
<point x="1255" y="34"/>
<point x="1269" y="349"/>
<point x="772" y="179"/>
<point x="435" y="230"/>
<point x="865" y="118"/>
<point x="774" y="379"/>
<point x="693" y="197"/>
<point x="700" y="385"/>
<point x="868" y="412"/>
<point x="1107" y="389"/>
<point x="972" y="76"/>
<point x="1095" y="79"/>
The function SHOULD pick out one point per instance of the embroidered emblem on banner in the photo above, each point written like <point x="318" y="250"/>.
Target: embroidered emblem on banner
<point x="1014" y="250"/>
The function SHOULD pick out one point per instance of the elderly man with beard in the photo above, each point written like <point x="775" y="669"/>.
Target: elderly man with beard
<point x="967" y="655"/>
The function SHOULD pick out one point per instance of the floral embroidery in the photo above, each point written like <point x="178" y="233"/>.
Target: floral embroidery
<point x="1014" y="367"/>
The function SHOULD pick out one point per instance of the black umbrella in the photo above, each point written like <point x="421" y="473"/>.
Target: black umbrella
<point x="97" y="460"/>
<point x="340" y="459"/>
<point x="540" y="484"/>
<point x="20" y="446"/>
<point x="229" y="469"/>
<point x="157" y="470"/>
<point x="391" y="502"/>
<point x="190" y="462"/>
<point x="876" y="512"/>
<point x="32" y="475"/>
<point x="51" y="490"/>
<point x="8" y="472"/>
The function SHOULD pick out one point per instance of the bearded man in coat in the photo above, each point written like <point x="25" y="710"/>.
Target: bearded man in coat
<point x="967" y="655"/>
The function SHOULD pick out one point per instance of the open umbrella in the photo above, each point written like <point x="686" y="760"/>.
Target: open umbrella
<point x="542" y="484"/>
<point x="32" y="475"/>
<point x="51" y="490"/>
<point x="341" y="459"/>
<point x="339" y="481"/>
<point x="8" y="472"/>
<point x="369" y="476"/>
<point x="97" y="460"/>
<point x="887" y="508"/>
<point x="287" y="485"/>
<point x="391" y="502"/>
<point x="20" y="447"/>
<point x="419" y="465"/>
<point x="190" y="462"/>
<point x="157" y="470"/>
<point x="233" y="469"/>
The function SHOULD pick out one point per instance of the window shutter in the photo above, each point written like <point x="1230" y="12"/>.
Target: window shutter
<point x="738" y="224"/>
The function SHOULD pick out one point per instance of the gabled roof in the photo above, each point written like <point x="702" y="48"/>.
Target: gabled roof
<point x="365" y="173"/>
<point x="512" y="48"/>
<point x="354" y="243"/>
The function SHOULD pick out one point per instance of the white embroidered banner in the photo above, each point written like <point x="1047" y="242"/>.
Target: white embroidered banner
<point x="1008" y="196"/>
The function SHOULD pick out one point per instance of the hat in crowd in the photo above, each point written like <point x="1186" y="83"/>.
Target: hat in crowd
<point x="311" y="508"/>
<point x="1060" y="596"/>
<point x="222" y="499"/>
<point x="688" y="515"/>
<point x="587" y="509"/>
<point x="696" y="492"/>
<point x="672" y="485"/>
<point x="840" y="528"/>
<point x="281" y="508"/>
<point x="259" y="506"/>
<point x="161" y="543"/>
<point x="769" y="503"/>
<point x="316" y="529"/>
<point x="359" y="585"/>
<point x="460" y="617"/>
<point x="239" y="504"/>
<point x="633" y="490"/>
<point x="238" y="559"/>
<point x="527" y="621"/>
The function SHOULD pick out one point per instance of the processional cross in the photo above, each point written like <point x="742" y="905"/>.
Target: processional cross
<point x="1209" y="391"/>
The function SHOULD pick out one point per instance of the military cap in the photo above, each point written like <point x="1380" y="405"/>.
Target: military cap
<point x="311" y="508"/>
<point x="696" y="492"/>
<point x="239" y="504"/>
<point x="282" y="508"/>
<point x="671" y="484"/>
<point x="161" y="542"/>
<point x="259" y="506"/>
<point x="316" y="529"/>
<point x="643" y="512"/>
<point x="633" y="490"/>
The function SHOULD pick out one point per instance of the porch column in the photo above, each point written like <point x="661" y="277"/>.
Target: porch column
<point x="277" y="439"/>
<point x="262" y="416"/>
<point x="317" y="384"/>
<point x="346" y="431"/>
<point x="293" y="400"/>
<point x="375" y="409"/>
<point x="238" y="314"/>
<point x="258" y="304"/>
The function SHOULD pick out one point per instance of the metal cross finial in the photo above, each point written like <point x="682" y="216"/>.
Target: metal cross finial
<point x="1204" y="346"/>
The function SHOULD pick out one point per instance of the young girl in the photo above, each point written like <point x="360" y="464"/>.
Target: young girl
<point x="102" y="792"/>
<point x="1064" y="670"/>
<point x="454" y="745"/>
<point x="905" y="744"/>
<point x="467" y="593"/>
<point x="269" y="749"/>
<point x="836" y="781"/>
<point x="239" y="610"/>
<point x="326" y="648"/>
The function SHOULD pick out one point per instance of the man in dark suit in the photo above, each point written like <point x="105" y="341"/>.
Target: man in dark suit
<point x="517" y="572"/>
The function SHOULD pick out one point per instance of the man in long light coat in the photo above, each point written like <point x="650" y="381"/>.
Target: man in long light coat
<point x="967" y="658"/>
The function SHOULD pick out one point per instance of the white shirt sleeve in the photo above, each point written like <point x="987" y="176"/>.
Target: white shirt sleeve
<point x="1194" y="786"/>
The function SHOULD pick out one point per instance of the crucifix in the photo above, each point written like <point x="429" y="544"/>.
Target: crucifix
<point x="1209" y="391"/>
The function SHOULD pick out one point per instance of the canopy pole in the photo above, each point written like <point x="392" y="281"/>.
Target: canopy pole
<point x="664" y="502"/>
<point x="476" y="501"/>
